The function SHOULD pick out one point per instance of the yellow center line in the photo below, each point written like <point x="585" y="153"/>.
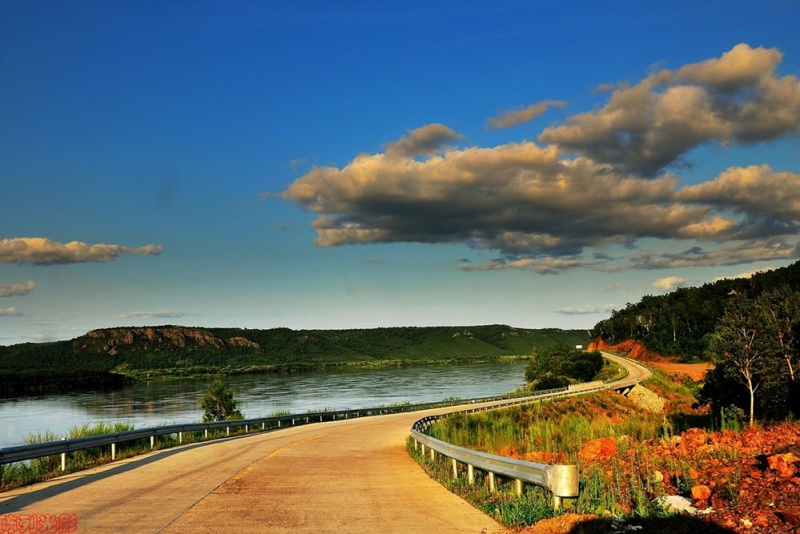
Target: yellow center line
<point x="276" y="452"/>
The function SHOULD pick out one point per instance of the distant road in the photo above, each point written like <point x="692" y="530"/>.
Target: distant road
<point x="344" y="476"/>
<point x="635" y="371"/>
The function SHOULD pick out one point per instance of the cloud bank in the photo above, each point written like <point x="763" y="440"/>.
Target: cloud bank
<point x="600" y="181"/>
<point x="17" y="290"/>
<point x="42" y="251"/>
<point x="153" y="315"/>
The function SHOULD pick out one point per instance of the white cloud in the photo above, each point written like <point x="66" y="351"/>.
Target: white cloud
<point x="643" y="128"/>
<point x="587" y="309"/>
<point x="10" y="312"/>
<point x="670" y="283"/>
<point x="599" y="185"/>
<point x="521" y="116"/>
<point x="42" y="251"/>
<point x="153" y="315"/>
<point x="17" y="290"/>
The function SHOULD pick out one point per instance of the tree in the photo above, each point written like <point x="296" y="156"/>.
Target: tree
<point x="554" y="366"/>
<point x="783" y="308"/>
<point x="218" y="404"/>
<point x="743" y="339"/>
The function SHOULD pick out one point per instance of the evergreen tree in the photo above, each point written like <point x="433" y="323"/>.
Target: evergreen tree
<point x="218" y="404"/>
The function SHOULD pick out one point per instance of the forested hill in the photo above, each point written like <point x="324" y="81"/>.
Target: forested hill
<point x="675" y="324"/>
<point x="180" y="351"/>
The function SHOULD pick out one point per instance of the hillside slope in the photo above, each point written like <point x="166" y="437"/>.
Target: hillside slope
<point x="675" y="324"/>
<point x="181" y="351"/>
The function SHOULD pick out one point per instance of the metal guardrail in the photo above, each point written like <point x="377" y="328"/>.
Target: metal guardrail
<point x="560" y="480"/>
<point x="65" y="446"/>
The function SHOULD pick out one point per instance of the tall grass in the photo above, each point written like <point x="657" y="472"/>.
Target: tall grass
<point x="557" y="430"/>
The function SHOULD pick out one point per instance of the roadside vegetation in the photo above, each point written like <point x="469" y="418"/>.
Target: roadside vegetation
<point x="629" y="459"/>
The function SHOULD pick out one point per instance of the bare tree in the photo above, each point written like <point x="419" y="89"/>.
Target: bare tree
<point x="783" y="308"/>
<point x="744" y="338"/>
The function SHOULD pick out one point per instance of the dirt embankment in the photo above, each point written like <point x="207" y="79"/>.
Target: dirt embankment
<point x="637" y="351"/>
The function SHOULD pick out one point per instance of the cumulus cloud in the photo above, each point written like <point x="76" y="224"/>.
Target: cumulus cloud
<point x="769" y="201"/>
<point x="10" y="312"/>
<point x="521" y="116"/>
<point x="670" y="283"/>
<point x="643" y="128"/>
<point x="424" y="141"/>
<point x="42" y="251"/>
<point x="587" y="309"/>
<point x="17" y="290"/>
<point x="596" y="183"/>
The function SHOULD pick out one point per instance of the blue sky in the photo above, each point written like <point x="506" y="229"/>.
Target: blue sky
<point x="363" y="164"/>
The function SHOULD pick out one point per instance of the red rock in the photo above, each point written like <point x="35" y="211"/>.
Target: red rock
<point x="694" y="437"/>
<point x="701" y="493"/>
<point x="717" y="502"/>
<point x="790" y="516"/>
<point x="598" y="449"/>
<point x="779" y="464"/>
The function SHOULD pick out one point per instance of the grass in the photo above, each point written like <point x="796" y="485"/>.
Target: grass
<point x="38" y="469"/>
<point x="555" y="431"/>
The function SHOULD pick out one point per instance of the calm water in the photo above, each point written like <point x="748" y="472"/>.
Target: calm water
<point x="155" y="403"/>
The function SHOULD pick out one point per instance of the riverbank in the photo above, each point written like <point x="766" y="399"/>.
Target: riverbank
<point x="147" y="353"/>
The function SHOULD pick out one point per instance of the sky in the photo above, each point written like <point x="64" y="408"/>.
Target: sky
<point x="363" y="164"/>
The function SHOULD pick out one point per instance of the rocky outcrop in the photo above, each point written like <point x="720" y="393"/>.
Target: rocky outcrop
<point x="646" y="399"/>
<point x="113" y="340"/>
<point x="243" y="342"/>
<point x="633" y="349"/>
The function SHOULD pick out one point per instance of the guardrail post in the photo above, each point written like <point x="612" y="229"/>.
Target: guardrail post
<point x="492" y="482"/>
<point x="423" y="449"/>
<point x="180" y="438"/>
<point x="152" y="442"/>
<point x="518" y="486"/>
<point x="227" y="431"/>
<point x="205" y="431"/>
<point x="246" y="428"/>
<point x="455" y="469"/>
<point x="470" y="474"/>
<point x="63" y="461"/>
<point x="264" y="425"/>
<point x="562" y="480"/>
<point x="113" y="451"/>
<point x="433" y="455"/>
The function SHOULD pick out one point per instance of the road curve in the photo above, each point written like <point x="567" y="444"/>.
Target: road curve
<point x="352" y="476"/>
<point x="636" y="372"/>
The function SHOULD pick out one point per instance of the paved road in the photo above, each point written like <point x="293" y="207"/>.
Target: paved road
<point x="635" y="371"/>
<point x="344" y="476"/>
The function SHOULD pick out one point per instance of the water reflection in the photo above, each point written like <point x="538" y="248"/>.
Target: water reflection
<point x="165" y="402"/>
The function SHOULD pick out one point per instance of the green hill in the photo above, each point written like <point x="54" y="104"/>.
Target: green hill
<point x="675" y="324"/>
<point x="107" y="354"/>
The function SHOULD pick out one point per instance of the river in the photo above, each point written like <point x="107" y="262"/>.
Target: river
<point x="154" y="403"/>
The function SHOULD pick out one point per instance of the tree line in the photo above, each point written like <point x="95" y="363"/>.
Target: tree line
<point x="679" y="323"/>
